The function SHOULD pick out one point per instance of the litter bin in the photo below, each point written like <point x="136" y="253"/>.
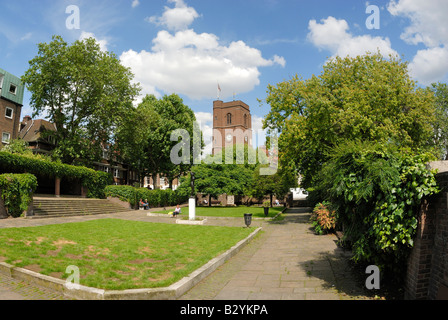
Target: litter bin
<point x="247" y="219"/>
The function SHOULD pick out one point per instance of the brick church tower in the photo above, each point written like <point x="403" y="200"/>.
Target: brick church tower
<point x="232" y="124"/>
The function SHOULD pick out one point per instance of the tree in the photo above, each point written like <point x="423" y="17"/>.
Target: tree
<point x="132" y="139"/>
<point x="217" y="175"/>
<point x="277" y="184"/>
<point x="441" y="119"/>
<point x="84" y="91"/>
<point x="153" y="147"/>
<point x="366" y="97"/>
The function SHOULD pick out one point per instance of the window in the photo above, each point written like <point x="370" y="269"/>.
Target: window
<point x="12" y="88"/>
<point x="229" y="118"/>
<point x="9" y="113"/>
<point x="6" y="137"/>
<point x="51" y="139"/>
<point x="245" y="120"/>
<point x="117" y="173"/>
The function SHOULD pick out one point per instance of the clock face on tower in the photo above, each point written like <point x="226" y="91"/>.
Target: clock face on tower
<point x="229" y="137"/>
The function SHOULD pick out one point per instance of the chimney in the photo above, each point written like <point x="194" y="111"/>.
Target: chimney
<point x="24" y="122"/>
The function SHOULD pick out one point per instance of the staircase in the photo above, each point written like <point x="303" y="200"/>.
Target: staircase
<point x="44" y="207"/>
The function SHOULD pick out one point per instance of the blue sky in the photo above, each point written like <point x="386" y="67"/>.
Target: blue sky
<point x="189" y="46"/>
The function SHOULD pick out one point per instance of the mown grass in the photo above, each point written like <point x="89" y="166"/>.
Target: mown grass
<point x="234" y="212"/>
<point x="117" y="254"/>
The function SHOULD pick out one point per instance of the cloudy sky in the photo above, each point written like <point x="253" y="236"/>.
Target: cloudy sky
<point x="188" y="47"/>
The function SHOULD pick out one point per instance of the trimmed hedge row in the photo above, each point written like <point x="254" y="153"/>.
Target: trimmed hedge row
<point x="17" y="192"/>
<point x="156" y="198"/>
<point x="95" y="181"/>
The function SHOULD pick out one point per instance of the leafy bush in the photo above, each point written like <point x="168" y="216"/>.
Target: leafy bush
<point x="323" y="218"/>
<point x="156" y="198"/>
<point x="124" y="193"/>
<point x="95" y="181"/>
<point x="376" y="190"/>
<point x="17" y="192"/>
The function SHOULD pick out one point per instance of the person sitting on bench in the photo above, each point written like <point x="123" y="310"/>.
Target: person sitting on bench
<point x="144" y="204"/>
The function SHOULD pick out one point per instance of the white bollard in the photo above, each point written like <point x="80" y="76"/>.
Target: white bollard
<point x="192" y="208"/>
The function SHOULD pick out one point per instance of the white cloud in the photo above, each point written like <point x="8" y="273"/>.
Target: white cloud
<point x="428" y="27"/>
<point x="333" y="35"/>
<point x="192" y="64"/>
<point x="102" y="43"/>
<point x="135" y="3"/>
<point x="177" y="18"/>
<point x="428" y="20"/>
<point x="430" y="65"/>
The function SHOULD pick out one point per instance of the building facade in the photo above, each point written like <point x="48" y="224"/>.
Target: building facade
<point x="232" y="124"/>
<point x="11" y="102"/>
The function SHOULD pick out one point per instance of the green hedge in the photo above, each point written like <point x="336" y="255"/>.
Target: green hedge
<point x="95" y="181"/>
<point x="17" y="192"/>
<point x="156" y="198"/>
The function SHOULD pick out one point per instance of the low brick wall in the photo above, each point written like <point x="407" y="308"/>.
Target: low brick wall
<point x="427" y="275"/>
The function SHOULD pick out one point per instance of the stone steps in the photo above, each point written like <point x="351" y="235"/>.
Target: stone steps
<point x="57" y="207"/>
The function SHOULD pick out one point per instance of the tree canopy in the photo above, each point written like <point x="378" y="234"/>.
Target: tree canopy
<point x="368" y="97"/>
<point x="145" y="136"/>
<point x="84" y="91"/>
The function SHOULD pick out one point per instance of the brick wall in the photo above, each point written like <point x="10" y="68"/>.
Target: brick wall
<point x="7" y="125"/>
<point x="427" y="275"/>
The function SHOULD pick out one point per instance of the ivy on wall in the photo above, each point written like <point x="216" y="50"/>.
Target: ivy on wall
<point x="95" y="181"/>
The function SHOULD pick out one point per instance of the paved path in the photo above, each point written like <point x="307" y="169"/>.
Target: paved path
<point x="286" y="261"/>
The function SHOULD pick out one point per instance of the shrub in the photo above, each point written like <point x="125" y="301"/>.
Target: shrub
<point x="156" y="198"/>
<point x="323" y="218"/>
<point x="17" y="192"/>
<point x="124" y="193"/>
<point x="376" y="190"/>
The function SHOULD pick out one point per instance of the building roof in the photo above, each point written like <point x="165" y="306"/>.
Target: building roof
<point x="11" y="88"/>
<point x="32" y="129"/>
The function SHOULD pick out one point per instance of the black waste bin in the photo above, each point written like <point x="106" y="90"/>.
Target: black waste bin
<point x="248" y="219"/>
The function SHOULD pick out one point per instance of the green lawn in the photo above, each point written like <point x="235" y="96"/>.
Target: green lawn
<point x="117" y="254"/>
<point x="257" y="212"/>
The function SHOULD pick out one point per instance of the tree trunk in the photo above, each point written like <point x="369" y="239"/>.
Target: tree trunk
<point x="209" y="200"/>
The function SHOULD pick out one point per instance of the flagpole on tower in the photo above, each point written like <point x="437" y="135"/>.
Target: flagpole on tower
<point x="219" y="91"/>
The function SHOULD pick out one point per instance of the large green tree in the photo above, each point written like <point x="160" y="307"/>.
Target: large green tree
<point x="367" y="97"/>
<point x="441" y="120"/>
<point x="84" y="91"/>
<point x="146" y="136"/>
